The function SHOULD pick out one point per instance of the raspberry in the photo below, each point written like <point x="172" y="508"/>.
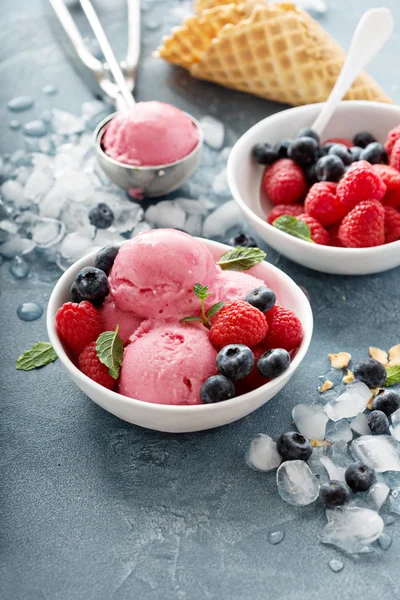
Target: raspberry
<point x="284" y="182"/>
<point x="285" y="329"/>
<point x="279" y="210"/>
<point x="255" y="379"/>
<point x="364" y="226"/>
<point x="78" y="324"/>
<point x="344" y="141"/>
<point x="392" y="224"/>
<point x="238" y="323"/>
<point x="90" y="365"/>
<point x="391" y="178"/>
<point x="394" y="160"/>
<point x="318" y="233"/>
<point x="322" y="204"/>
<point x="391" y="139"/>
<point x="334" y="236"/>
<point x="361" y="182"/>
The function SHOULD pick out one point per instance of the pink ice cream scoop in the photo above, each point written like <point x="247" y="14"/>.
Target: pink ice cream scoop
<point x="168" y="364"/>
<point x="112" y="316"/>
<point x="154" y="274"/>
<point x="234" y="285"/>
<point x="151" y="134"/>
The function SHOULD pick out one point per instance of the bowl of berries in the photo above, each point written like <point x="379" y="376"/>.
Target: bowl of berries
<point x="178" y="334"/>
<point x="330" y="204"/>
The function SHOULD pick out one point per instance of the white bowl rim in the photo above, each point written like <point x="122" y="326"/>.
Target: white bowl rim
<point x="156" y="407"/>
<point x="231" y="176"/>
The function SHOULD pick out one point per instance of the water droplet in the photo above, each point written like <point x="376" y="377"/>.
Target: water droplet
<point x="29" y="311"/>
<point x="50" y="90"/>
<point x="385" y="541"/>
<point x="152" y="25"/>
<point x="20" y="103"/>
<point x="275" y="537"/>
<point x="14" y="125"/>
<point x="19" y="268"/>
<point x="35" y="128"/>
<point x="336" y="565"/>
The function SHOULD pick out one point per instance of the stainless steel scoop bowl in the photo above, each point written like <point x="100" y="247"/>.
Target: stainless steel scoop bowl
<point x="147" y="181"/>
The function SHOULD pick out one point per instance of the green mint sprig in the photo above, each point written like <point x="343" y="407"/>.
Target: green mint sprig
<point x="109" y="350"/>
<point x="392" y="375"/>
<point x="241" y="259"/>
<point x="201" y="292"/>
<point x="294" y="227"/>
<point x="41" y="354"/>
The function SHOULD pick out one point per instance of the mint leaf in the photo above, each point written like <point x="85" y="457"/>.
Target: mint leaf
<point x="201" y="291"/>
<point x="241" y="259"/>
<point x="214" y="309"/>
<point x="294" y="227"/>
<point x="41" y="354"/>
<point x="191" y="319"/>
<point x="109" y="349"/>
<point x="392" y="375"/>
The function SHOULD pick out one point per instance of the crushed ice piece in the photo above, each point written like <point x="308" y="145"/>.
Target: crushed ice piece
<point x="385" y="541"/>
<point x="12" y="191"/>
<point x="20" y="158"/>
<point x="38" y="184"/>
<point x="74" y="246"/>
<point x="16" y="246"/>
<point x="35" y="128"/>
<point x="8" y="226"/>
<point x="310" y="420"/>
<point x="213" y="132"/>
<point x="140" y="228"/>
<point x="352" y="401"/>
<point x="74" y="185"/>
<point x="334" y="375"/>
<point x="262" y="454"/>
<point x="19" y="268"/>
<point x="276" y="537"/>
<point x="318" y="6"/>
<point x="223" y="218"/>
<point x="66" y="124"/>
<point x="22" y="176"/>
<point x="46" y="146"/>
<point x="392" y="479"/>
<point x="48" y="232"/>
<point x="377" y="494"/>
<point x="337" y="431"/>
<point x="29" y="311"/>
<point x="152" y="24"/>
<point x="394" y="501"/>
<point x="206" y="203"/>
<point x="220" y="184"/>
<point x="381" y="452"/>
<point x="50" y="90"/>
<point x="388" y="520"/>
<point x="14" y="125"/>
<point x="193" y="225"/>
<point x="395" y="426"/>
<point x="336" y="565"/>
<point x="192" y="207"/>
<point x="20" y="103"/>
<point x="166" y="214"/>
<point x="338" y="452"/>
<point x="296" y="483"/>
<point x="352" y="528"/>
<point x="316" y="466"/>
<point x="335" y="472"/>
<point x="360" y="425"/>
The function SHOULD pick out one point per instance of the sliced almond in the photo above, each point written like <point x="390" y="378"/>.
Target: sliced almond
<point x="319" y="443"/>
<point x="339" y="360"/>
<point x="349" y="377"/>
<point x="327" y="385"/>
<point x="394" y="355"/>
<point x="379" y="355"/>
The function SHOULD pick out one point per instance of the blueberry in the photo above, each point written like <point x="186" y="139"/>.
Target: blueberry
<point x="378" y="422"/>
<point x="342" y="152"/>
<point x="105" y="258"/>
<point x="308" y="132"/>
<point x="281" y="148"/>
<point x="216" y="389"/>
<point x="386" y="401"/>
<point x="334" y="493"/>
<point x="273" y="363"/>
<point x="325" y="148"/>
<point x="330" y="168"/>
<point x="244" y="241"/>
<point x="101" y="216"/>
<point x="264" y="154"/>
<point x="294" y="446"/>
<point x="356" y="152"/>
<point x="235" y="361"/>
<point x="359" y="477"/>
<point x="363" y="139"/>
<point x="304" y="151"/>
<point x="75" y="294"/>
<point x="370" y="371"/>
<point x="374" y="153"/>
<point x="311" y="174"/>
<point x="91" y="283"/>
<point x="262" y="298"/>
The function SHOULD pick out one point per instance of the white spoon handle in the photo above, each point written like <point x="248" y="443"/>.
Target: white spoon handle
<point x="372" y="32"/>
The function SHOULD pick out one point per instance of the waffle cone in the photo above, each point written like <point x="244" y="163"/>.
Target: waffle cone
<point x="201" y="5"/>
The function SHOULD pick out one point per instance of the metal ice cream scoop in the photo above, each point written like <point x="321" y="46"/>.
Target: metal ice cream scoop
<point x="140" y="181"/>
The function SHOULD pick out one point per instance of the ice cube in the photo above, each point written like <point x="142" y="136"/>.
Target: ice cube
<point x="140" y="228"/>
<point x="21" y="159"/>
<point x="338" y="452"/>
<point x="392" y="479"/>
<point x="16" y="246"/>
<point x="74" y="246"/>
<point x="193" y="225"/>
<point x="21" y="176"/>
<point x="352" y="401"/>
<point x="192" y="207"/>
<point x="394" y="501"/>
<point x="262" y="454"/>
<point x="310" y="420"/>
<point x="223" y="218"/>
<point x="38" y="184"/>
<point x="9" y="226"/>
<point x="74" y="215"/>
<point x="360" y="425"/>
<point x="220" y="184"/>
<point x="296" y="483"/>
<point x="334" y="471"/>
<point x="213" y="132"/>
<point x="318" y="6"/>
<point x="206" y="203"/>
<point x="381" y="452"/>
<point x="66" y="124"/>
<point x="63" y="161"/>
<point x="395" y="426"/>
<point x="378" y="494"/>
<point x="352" y="528"/>
<point x="12" y="191"/>
<point x="316" y="466"/>
<point x="53" y="202"/>
<point x="166" y="214"/>
<point x="126" y="216"/>
<point x="338" y="431"/>
<point x="74" y="185"/>
<point x="48" y="232"/>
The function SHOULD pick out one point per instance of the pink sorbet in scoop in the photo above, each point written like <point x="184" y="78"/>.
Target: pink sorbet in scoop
<point x="112" y="316"/>
<point x="154" y="274"/>
<point x="235" y="285"/>
<point x="151" y="134"/>
<point x="168" y="365"/>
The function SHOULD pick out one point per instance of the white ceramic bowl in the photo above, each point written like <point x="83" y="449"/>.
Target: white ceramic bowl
<point x="244" y="178"/>
<point x="179" y="419"/>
